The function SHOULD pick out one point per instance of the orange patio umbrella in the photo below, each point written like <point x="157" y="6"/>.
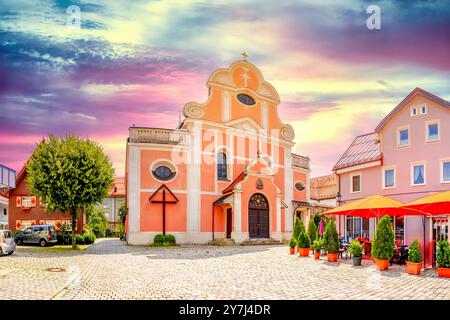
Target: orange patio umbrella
<point x="434" y="204"/>
<point x="374" y="206"/>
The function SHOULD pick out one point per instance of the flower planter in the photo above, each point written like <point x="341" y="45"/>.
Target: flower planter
<point x="317" y="255"/>
<point x="303" y="252"/>
<point x="382" y="264"/>
<point x="413" y="268"/>
<point x="332" y="256"/>
<point x="443" y="272"/>
<point x="357" y="261"/>
<point x="292" y="250"/>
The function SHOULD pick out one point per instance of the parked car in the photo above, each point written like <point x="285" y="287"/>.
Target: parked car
<point x="41" y="234"/>
<point x="7" y="244"/>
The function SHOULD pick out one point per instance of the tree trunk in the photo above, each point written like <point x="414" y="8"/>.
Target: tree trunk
<point x="73" y="213"/>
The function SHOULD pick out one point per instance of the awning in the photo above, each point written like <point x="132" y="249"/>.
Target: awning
<point x="435" y="204"/>
<point x="374" y="206"/>
<point x="303" y="204"/>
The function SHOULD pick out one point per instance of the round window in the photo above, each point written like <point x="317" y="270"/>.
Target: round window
<point x="163" y="173"/>
<point x="246" y="99"/>
<point x="299" y="186"/>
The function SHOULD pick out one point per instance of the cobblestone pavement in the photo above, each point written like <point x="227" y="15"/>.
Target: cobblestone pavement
<point x="112" y="270"/>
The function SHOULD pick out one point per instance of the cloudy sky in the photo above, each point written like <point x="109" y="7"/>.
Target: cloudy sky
<point x="139" y="62"/>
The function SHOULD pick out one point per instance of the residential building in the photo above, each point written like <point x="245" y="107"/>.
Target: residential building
<point x="26" y="210"/>
<point x="406" y="157"/>
<point x="227" y="171"/>
<point x="111" y="205"/>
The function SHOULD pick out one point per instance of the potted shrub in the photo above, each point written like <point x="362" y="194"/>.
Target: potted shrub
<point x="298" y="228"/>
<point x="331" y="241"/>
<point x="356" y="250"/>
<point x="414" y="263"/>
<point x="303" y="244"/>
<point x="443" y="259"/>
<point x="317" y="246"/>
<point x="312" y="230"/>
<point x="383" y="243"/>
<point x="292" y="245"/>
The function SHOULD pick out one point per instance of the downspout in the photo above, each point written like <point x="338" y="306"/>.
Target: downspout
<point x="212" y="222"/>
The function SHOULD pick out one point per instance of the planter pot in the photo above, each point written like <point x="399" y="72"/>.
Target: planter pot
<point x="332" y="256"/>
<point x="303" y="252"/>
<point x="413" y="268"/>
<point x="443" y="272"/>
<point x="357" y="261"/>
<point x="317" y="255"/>
<point x="292" y="250"/>
<point x="382" y="264"/>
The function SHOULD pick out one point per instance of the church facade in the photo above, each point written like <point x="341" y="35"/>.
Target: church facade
<point x="227" y="171"/>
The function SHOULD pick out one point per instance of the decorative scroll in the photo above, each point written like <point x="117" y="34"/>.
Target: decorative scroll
<point x="193" y="111"/>
<point x="287" y="132"/>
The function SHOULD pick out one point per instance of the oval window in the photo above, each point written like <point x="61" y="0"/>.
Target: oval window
<point x="163" y="173"/>
<point x="299" y="186"/>
<point x="246" y="99"/>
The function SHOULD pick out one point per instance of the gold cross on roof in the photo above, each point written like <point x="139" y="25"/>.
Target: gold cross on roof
<point x="244" y="55"/>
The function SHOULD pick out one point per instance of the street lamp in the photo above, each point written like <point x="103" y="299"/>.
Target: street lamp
<point x="338" y="198"/>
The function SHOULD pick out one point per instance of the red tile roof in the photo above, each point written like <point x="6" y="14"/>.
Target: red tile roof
<point x="364" y="148"/>
<point x="118" y="187"/>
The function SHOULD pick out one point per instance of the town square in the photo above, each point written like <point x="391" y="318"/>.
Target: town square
<point x="268" y="158"/>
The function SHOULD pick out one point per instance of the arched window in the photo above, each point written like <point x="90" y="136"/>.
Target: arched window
<point x="221" y="166"/>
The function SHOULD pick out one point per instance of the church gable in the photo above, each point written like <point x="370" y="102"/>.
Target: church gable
<point x="240" y="92"/>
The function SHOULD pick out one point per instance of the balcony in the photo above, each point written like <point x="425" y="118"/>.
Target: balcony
<point x="158" y="136"/>
<point x="299" y="161"/>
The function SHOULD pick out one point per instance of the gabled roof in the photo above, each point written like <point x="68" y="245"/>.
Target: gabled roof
<point x="365" y="148"/>
<point x="415" y="92"/>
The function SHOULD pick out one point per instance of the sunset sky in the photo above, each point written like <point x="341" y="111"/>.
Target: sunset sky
<point x="139" y="62"/>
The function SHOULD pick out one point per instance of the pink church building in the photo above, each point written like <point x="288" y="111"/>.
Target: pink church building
<point x="406" y="157"/>
<point x="226" y="172"/>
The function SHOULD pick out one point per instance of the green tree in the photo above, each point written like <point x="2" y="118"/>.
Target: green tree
<point x="383" y="242"/>
<point x="298" y="227"/>
<point x="330" y="238"/>
<point x="96" y="220"/>
<point x="312" y="229"/>
<point x="69" y="174"/>
<point x="122" y="214"/>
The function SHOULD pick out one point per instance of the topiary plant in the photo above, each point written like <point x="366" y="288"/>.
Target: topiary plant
<point x="356" y="248"/>
<point x="414" y="254"/>
<point x="383" y="242"/>
<point x="298" y="227"/>
<point x="317" y="245"/>
<point x="303" y="240"/>
<point x="443" y="254"/>
<point x="330" y="238"/>
<point x="312" y="229"/>
<point x="292" y="243"/>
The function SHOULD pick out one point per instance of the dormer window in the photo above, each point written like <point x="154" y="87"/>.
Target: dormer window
<point x="246" y="99"/>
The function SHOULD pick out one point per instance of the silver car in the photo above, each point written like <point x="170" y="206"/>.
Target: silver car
<point x="7" y="243"/>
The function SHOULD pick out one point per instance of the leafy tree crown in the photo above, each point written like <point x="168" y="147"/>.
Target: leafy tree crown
<point x="443" y="254"/>
<point x="69" y="173"/>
